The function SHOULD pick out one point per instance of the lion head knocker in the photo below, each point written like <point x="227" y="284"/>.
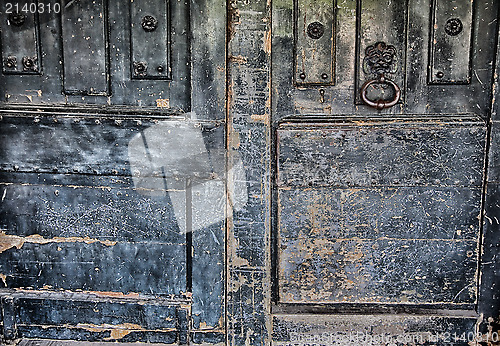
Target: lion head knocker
<point x="380" y="59"/>
<point x="379" y="63"/>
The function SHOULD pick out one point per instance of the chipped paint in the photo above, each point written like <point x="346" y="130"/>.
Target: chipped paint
<point x="9" y="241"/>
<point x="238" y="59"/>
<point x="117" y="332"/>
<point x="268" y="42"/>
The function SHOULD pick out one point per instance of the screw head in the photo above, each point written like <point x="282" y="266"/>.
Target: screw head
<point x="440" y="74"/>
<point x="302" y="75"/>
<point x="324" y="76"/>
<point x="160" y="68"/>
<point x="29" y="63"/>
<point x="140" y="68"/>
<point x="10" y="62"/>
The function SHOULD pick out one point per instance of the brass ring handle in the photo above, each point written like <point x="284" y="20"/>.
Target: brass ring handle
<point x="380" y="104"/>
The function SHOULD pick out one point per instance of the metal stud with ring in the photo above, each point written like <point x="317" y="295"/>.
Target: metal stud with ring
<point x="380" y="104"/>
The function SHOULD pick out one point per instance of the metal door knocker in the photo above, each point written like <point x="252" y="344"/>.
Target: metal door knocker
<point x="380" y="61"/>
<point x="380" y="104"/>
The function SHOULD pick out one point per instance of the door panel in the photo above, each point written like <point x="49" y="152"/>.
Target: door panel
<point x="377" y="211"/>
<point x="112" y="176"/>
<point x="85" y="49"/>
<point x="379" y="176"/>
<point x="372" y="329"/>
<point x="83" y="43"/>
<point x="391" y="23"/>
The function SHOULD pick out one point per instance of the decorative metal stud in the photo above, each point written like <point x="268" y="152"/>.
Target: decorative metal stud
<point x="379" y="59"/>
<point x="315" y="30"/>
<point x="29" y="63"/>
<point x="10" y="62"/>
<point x="17" y="19"/>
<point x="149" y="23"/>
<point x="140" y="68"/>
<point x="453" y="26"/>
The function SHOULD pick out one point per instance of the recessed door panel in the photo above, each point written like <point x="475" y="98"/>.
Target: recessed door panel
<point x="85" y="47"/>
<point x="449" y="61"/>
<point x="372" y="213"/>
<point x="20" y="41"/>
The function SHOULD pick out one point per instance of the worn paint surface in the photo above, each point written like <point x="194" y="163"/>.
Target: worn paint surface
<point x="377" y="211"/>
<point x="75" y="198"/>
<point x="248" y="120"/>
<point x="374" y="329"/>
<point x="370" y="205"/>
<point x="112" y="173"/>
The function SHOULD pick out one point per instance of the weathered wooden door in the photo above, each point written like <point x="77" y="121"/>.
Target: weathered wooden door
<point x="112" y="165"/>
<point x="381" y="126"/>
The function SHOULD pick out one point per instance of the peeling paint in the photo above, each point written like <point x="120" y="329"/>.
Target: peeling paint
<point x="238" y="59"/>
<point x="117" y="332"/>
<point x="9" y="241"/>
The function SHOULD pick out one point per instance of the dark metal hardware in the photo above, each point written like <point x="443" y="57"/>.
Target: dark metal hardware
<point x="10" y="62"/>
<point x="440" y="74"/>
<point x="140" y="68"/>
<point x="324" y="76"/>
<point x="149" y="23"/>
<point x="379" y="59"/>
<point x="160" y="69"/>
<point x="380" y="104"/>
<point x="453" y="26"/>
<point x="17" y="19"/>
<point x="315" y="30"/>
<point x="302" y="75"/>
<point x="29" y="63"/>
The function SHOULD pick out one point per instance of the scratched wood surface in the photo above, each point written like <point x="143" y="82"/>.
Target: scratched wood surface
<point x="86" y="206"/>
<point x="373" y="329"/>
<point x="75" y="343"/>
<point x="363" y="23"/>
<point x="370" y="214"/>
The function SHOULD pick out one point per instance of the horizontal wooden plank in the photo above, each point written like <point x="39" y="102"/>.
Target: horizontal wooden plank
<point x="371" y="213"/>
<point x="28" y="342"/>
<point x="75" y="264"/>
<point x="144" y="316"/>
<point x="377" y="271"/>
<point x="371" y="154"/>
<point x="372" y="330"/>
<point x="102" y="208"/>
<point x="97" y="145"/>
<point x="92" y="334"/>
